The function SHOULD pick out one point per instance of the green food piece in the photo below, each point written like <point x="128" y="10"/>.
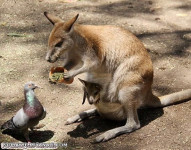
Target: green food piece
<point x="57" y="76"/>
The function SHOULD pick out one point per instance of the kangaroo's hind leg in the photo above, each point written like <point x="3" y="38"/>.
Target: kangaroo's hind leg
<point x="129" y="98"/>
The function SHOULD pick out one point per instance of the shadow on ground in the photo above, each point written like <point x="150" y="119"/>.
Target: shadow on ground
<point x="36" y="136"/>
<point x="95" y="125"/>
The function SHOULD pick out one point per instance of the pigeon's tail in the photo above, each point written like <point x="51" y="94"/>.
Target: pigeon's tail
<point x="8" y="125"/>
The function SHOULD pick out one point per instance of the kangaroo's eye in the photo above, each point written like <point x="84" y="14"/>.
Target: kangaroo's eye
<point x="87" y="93"/>
<point x="59" y="44"/>
<point x="96" y="93"/>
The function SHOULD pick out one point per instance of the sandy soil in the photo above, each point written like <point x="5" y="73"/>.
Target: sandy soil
<point x="164" y="26"/>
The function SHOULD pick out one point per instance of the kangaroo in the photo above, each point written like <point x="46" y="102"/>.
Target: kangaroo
<point x="112" y="57"/>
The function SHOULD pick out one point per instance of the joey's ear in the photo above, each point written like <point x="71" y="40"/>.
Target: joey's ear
<point x="83" y="82"/>
<point x="69" y="24"/>
<point x="84" y="98"/>
<point x="85" y="94"/>
<point x="53" y="19"/>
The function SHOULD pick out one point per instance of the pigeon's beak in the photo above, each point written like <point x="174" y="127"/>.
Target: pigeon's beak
<point x="36" y="86"/>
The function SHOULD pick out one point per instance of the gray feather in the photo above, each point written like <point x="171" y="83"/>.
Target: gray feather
<point x="44" y="114"/>
<point x="8" y="125"/>
<point x="21" y="119"/>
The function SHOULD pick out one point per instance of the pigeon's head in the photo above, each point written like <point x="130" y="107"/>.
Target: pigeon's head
<point x="30" y="86"/>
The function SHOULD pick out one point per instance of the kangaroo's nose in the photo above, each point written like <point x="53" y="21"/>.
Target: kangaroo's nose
<point x="48" y="58"/>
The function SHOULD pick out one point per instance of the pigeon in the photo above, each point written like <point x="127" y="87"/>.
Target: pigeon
<point x="29" y="115"/>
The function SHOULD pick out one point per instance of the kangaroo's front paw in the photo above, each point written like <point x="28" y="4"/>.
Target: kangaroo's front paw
<point x="67" y="75"/>
<point x="73" y="119"/>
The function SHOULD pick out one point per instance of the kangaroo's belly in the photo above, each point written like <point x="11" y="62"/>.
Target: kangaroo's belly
<point x="113" y="111"/>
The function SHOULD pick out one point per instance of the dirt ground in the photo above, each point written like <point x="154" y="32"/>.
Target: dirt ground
<point x="164" y="26"/>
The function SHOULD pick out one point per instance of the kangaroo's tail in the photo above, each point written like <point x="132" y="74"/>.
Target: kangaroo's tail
<point x="170" y="99"/>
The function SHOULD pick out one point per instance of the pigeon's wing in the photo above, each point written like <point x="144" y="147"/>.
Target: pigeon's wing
<point x="20" y="120"/>
<point x="44" y="114"/>
<point x="8" y="125"/>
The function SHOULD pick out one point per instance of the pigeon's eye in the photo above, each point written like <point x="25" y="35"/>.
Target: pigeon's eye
<point x="59" y="44"/>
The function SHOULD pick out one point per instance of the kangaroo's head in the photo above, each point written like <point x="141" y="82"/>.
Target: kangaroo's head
<point x="60" y="39"/>
<point x="91" y="91"/>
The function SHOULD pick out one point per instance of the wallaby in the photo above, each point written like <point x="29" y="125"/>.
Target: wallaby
<point x="112" y="57"/>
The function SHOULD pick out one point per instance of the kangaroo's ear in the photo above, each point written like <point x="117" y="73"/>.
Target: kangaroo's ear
<point x="53" y="19"/>
<point x="69" y="24"/>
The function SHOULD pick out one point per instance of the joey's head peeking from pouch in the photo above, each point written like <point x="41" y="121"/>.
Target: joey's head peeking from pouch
<point x="91" y="91"/>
